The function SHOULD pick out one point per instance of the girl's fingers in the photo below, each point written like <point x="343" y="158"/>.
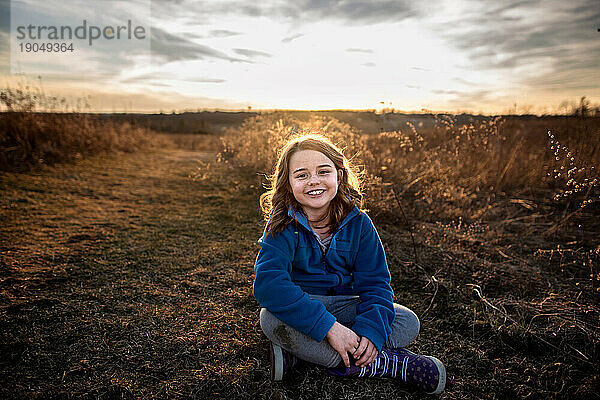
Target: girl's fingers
<point x="369" y="354"/>
<point x="345" y="358"/>
<point x="361" y="349"/>
<point x="363" y="354"/>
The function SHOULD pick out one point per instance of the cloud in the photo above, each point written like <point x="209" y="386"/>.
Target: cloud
<point x="472" y="99"/>
<point x="578" y="71"/>
<point x="153" y="102"/>
<point x="352" y="11"/>
<point x="168" y="47"/>
<point x="536" y="46"/>
<point x="448" y="91"/>
<point x="153" y="78"/>
<point x="4" y="52"/>
<point x="252" y="53"/>
<point x="109" y="98"/>
<point x="369" y="64"/>
<point x="542" y="31"/>
<point x="222" y="33"/>
<point x="215" y="33"/>
<point x="5" y="16"/>
<point x="293" y="37"/>
<point x="206" y="80"/>
<point x="159" y="84"/>
<point x="356" y="50"/>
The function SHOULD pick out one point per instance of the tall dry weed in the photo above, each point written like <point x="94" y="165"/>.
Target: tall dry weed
<point x="449" y="171"/>
<point x="31" y="136"/>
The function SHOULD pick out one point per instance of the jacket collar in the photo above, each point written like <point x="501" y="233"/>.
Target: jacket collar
<point x="303" y="220"/>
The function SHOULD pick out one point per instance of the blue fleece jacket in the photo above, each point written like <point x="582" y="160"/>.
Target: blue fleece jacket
<point x="290" y="266"/>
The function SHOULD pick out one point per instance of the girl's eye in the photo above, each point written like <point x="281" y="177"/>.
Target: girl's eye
<point x="301" y="176"/>
<point x="323" y="172"/>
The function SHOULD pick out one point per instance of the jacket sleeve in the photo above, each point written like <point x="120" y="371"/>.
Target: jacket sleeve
<point x="375" y="313"/>
<point x="274" y="289"/>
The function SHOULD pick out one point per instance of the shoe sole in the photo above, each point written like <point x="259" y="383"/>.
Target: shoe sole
<point x="442" y="370"/>
<point x="276" y="362"/>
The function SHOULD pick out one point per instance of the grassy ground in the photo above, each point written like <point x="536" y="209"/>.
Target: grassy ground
<point x="130" y="277"/>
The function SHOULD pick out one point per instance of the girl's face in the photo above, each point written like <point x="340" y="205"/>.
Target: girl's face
<point x="314" y="181"/>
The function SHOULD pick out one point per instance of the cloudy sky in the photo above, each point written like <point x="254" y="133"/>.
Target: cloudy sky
<point x="462" y="55"/>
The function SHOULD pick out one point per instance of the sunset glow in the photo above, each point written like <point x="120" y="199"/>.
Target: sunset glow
<point x="456" y="56"/>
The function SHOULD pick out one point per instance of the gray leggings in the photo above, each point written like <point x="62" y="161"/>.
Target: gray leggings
<point x="405" y="329"/>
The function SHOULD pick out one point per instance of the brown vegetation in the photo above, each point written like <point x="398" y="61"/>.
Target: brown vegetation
<point x="129" y="276"/>
<point x="30" y="139"/>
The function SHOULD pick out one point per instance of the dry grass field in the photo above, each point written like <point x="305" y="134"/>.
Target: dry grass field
<point x="128" y="275"/>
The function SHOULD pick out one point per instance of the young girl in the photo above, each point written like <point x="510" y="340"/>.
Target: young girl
<point x="322" y="278"/>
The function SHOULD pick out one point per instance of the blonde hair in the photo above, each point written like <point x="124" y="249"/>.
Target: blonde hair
<point x="275" y="202"/>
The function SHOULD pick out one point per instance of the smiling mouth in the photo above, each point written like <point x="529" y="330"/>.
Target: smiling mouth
<point x="315" y="192"/>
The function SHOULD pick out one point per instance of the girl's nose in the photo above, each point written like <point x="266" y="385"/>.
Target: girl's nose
<point x="314" y="178"/>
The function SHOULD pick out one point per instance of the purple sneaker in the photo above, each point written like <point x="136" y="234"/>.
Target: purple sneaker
<point x="425" y="372"/>
<point x="281" y="362"/>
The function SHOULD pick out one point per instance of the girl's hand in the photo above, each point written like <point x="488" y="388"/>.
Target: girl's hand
<point x="343" y="340"/>
<point x="366" y="352"/>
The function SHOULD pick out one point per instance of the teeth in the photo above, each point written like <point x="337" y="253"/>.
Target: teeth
<point x="319" y="191"/>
